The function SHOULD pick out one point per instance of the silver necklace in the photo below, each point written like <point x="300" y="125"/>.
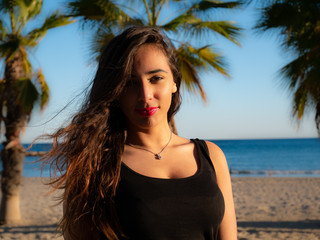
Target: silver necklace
<point x="156" y="155"/>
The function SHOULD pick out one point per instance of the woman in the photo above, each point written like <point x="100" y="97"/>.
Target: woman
<point x="125" y="175"/>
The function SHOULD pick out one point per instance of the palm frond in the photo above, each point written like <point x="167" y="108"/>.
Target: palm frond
<point x="304" y="67"/>
<point x="32" y="8"/>
<point x="191" y="26"/>
<point x="210" y="59"/>
<point x="53" y="21"/>
<point x="277" y="15"/>
<point x="300" y="100"/>
<point x="44" y="89"/>
<point x="293" y="73"/>
<point x="9" y="48"/>
<point x="206" y="5"/>
<point x="96" y="11"/>
<point x="26" y="10"/>
<point x="3" y="31"/>
<point x="226" y="29"/>
<point x="298" y="24"/>
<point x="302" y="77"/>
<point x="27" y="68"/>
<point x="86" y="9"/>
<point x="307" y="93"/>
<point x="180" y="21"/>
<point x="157" y="14"/>
<point x="5" y="5"/>
<point x="187" y="64"/>
<point x="28" y="94"/>
<point x="147" y="8"/>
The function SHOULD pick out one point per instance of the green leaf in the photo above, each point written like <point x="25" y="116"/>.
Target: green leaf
<point x="96" y="11"/>
<point x="180" y="21"/>
<point x="88" y="9"/>
<point x="187" y="64"/>
<point x="3" y="31"/>
<point x="300" y="100"/>
<point x="224" y="28"/>
<point x="9" y="48"/>
<point x="25" y="62"/>
<point x="210" y="4"/>
<point x="33" y="8"/>
<point x="210" y="59"/>
<point x="26" y="10"/>
<point x="53" y="21"/>
<point x="44" y="89"/>
<point x="28" y="94"/>
<point x="298" y="25"/>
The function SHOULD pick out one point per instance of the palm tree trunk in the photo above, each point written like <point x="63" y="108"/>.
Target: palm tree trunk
<point x="317" y="117"/>
<point x="12" y="154"/>
<point x="12" y="161"/>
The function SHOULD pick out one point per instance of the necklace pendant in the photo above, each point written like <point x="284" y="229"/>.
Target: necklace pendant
<point x="157" y="156"/>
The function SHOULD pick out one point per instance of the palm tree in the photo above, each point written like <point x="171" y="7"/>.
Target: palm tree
<point x="183" y="21"/>
<point x="298" y="22"/>
<point x="20" y="89"/>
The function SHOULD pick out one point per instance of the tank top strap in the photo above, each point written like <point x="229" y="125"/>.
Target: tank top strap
<point x="204" y="151"/>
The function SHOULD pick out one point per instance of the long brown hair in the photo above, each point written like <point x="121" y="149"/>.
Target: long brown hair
<point x="86" y="154"/>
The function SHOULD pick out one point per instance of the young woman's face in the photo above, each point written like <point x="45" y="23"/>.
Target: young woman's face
<point x="147" y="98"/>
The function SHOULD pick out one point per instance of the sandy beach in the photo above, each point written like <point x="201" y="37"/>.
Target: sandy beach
<point x="267" y="208"/>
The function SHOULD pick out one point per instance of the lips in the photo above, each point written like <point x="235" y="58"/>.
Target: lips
<point x="147" y="112"/>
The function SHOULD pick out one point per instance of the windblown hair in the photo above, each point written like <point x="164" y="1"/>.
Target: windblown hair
<point x="86" y="154"/>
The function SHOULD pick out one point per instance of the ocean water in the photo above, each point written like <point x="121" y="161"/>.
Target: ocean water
<point x="276" y="157"/>
<point x="270" y="157"/>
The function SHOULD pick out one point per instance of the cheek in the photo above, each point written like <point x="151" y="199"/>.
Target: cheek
<point x="125" y="103"/>
<point x="166" y="96"/>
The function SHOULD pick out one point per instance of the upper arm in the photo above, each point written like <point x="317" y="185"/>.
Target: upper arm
<point x="228" y="227"/>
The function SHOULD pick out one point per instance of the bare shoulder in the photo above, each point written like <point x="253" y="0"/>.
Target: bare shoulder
<point x="216" y="153"/>
<point x="218" y="159"/>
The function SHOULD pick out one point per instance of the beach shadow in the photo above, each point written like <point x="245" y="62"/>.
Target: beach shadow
<point x="29" y="229"/>
<point x="307" y="224"/>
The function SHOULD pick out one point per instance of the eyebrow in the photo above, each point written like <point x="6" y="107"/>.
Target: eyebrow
<point x="156" y="71"/>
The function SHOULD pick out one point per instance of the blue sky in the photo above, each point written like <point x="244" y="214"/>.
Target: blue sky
<point x="250" y="105"/>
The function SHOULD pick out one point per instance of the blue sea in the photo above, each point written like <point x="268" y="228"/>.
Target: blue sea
<point x="262" y="158"/>
<point x="273" y="157"/>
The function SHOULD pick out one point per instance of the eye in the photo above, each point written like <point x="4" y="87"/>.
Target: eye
<point x="155" y="78"/>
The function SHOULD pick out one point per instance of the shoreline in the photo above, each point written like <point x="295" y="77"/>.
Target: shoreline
<point x="266" y="208"/>
<point x="241" y="176"/>
<point x="273" y="176"/>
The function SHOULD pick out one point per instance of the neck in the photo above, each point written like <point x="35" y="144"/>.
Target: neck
<point x="152" y="139"/>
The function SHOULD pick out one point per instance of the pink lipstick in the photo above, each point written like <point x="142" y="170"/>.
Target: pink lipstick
<point x="147" y="112"/>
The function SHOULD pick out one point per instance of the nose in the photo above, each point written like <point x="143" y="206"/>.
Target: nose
<point x="145" y="92"/>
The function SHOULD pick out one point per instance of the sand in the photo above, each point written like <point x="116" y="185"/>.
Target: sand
<point x="277" y="208"/>
<point x="267" y="208"/>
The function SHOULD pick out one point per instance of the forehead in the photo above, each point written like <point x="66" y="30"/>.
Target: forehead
<point x="149" y="56"/>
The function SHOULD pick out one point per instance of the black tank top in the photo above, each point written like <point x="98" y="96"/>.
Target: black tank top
<point x="184" y="208"/>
